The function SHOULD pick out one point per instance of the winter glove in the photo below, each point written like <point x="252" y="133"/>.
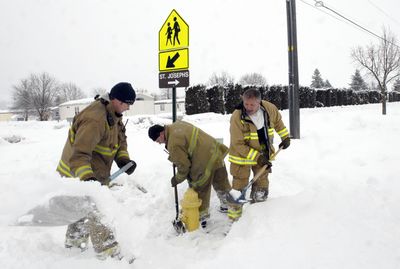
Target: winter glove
<point x="262" y="160"/>
<point x="285" y="143"/>
<point x="175" y="181"/>
<point x="123" y="162"/>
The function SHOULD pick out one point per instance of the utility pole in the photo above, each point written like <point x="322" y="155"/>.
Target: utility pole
<point x="293" y="91"/>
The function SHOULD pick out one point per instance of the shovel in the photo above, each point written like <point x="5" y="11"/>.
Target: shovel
<point x="177" y="223"/>
<point x="242" y="197"/>
<point x="123" y="170"/>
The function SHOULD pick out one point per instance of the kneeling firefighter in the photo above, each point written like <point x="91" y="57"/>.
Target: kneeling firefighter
<point x="95" y="140"/>
<point x="199" y="158"/>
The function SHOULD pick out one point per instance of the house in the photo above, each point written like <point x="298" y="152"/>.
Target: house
<point x="144" y="104"/>
<point x="12" y="115"/>
<point x="6" y="115"/>
<point x="68" y="110"/>
<point x="165" y="106"/>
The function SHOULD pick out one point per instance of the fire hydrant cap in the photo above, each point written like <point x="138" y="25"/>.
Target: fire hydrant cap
<point x="190" y="199"/>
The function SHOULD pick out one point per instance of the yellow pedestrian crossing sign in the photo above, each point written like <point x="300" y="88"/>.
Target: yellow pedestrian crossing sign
<point x="174" y="34"/>
<point x="173" y="54"/>
<point x="173" y="59"/>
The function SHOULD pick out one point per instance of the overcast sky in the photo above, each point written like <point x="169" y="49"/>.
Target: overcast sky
<point x="95" y="43"/>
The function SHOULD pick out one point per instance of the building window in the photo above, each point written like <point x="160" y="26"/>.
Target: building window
<point x="162" y="107"/>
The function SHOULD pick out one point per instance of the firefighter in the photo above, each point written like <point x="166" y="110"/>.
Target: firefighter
<point x="199" y="158"/>
<point x="96" y="139"/>
<point x="252" y="126"/>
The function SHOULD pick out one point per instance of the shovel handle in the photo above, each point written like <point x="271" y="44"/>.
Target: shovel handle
<point x="120" y="171"/>
<point x="274" y="154"/>
<point x="176" y="196"/>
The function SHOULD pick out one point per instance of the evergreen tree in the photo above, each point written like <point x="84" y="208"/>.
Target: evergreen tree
<point x="232" y="97"/>
<point x="317" y="81"/>
<point x="196" y="100"/>
<point x="396" y="85"/>
<point x="357" y="82"/>
<point x="215" y="97"/>
<point x="327" y="84"/>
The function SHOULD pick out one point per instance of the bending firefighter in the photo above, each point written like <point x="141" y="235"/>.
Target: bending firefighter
<point x="252" y="128"/>
<point x="96" y="139"/>
<point x="199" y="158"/>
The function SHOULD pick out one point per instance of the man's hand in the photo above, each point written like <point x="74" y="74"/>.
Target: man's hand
<point x="123" y="162"/>
<point x="262" y="160"/>
<point x="175" y="181"/>
<point x="285" y="143"/>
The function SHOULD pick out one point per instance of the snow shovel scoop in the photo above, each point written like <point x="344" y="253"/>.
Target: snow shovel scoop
<point x="242" y="198"/>
<point x="177" y="223"/>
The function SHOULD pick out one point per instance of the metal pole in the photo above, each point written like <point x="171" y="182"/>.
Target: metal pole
<point x="173" y="104"/>
<point x="293" y="91"/>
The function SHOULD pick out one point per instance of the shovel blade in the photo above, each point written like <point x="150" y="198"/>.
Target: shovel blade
<point x="179" y="226"/>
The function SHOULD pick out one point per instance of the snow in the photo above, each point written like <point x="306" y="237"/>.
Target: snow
<point x="333" y="201"/>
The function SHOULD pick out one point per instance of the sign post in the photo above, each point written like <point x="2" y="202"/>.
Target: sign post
<point x="173" y="55"/>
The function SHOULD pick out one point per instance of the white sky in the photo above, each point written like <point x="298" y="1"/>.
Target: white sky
<point x="97" y="43"/>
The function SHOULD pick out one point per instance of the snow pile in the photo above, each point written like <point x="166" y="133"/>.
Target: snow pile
<point x="333" y="201"/>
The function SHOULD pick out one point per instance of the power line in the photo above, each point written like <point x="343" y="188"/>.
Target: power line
<point x="323" y="11"/>
<point x="321" y="4"/>
<point x="382" y="11"/>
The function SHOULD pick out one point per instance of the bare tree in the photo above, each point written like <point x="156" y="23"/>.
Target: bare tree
<point x="255" y="79"/>
<point x="22" y="97"/>
<point x="382" y="61"/>
<point x="99" y="91"/>
<point x="223" y="79"/>
<point x="69" y="91"/>
<point x="44" y="90"/>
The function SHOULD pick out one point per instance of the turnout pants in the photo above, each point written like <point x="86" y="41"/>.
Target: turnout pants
<point x="219" y="181"/>
<point x="241" y="175"/>
<point x="90" y="226"/>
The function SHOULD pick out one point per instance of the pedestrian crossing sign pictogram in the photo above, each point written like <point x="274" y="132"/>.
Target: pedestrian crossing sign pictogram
<point x="174" y="33"/>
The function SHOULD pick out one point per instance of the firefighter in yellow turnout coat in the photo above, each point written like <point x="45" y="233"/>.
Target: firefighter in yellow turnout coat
<point x="199" y="158"/>
<point x="252" y="127"/>
<point x="96" y="139"/>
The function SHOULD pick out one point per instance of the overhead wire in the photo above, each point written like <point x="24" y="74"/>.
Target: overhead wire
<point x="322" y="5"/>
<point x="383" y="12"/>
<point x="323" y="11"/>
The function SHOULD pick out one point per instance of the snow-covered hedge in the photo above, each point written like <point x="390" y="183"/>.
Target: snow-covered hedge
<point x="218" y="99"/>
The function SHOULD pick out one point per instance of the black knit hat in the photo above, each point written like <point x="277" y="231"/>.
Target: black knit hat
<point x="154" y="131"/>
<point x="124" y="92"/>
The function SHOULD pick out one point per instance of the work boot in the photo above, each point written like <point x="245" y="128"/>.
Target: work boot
<point x="222" y="196"/>
<point x="77" y="235"/>
<point x="235" y="211"/>
<point x="203" y="220"/>
<point x="112" y="251"/>
<point x="258" y="195"/>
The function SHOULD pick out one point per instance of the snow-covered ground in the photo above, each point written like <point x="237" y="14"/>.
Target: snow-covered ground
<point x="334" y="199"/>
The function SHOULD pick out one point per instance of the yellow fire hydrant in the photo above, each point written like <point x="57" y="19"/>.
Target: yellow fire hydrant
<point x="190" y="210"/>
